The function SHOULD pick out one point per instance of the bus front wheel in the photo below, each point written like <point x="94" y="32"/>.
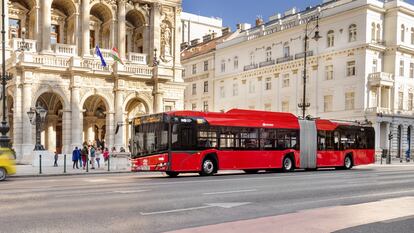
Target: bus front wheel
<point x="172" y="174"/>
<point x="288" y="164"/>
<point x="348" y="162"/>
<point x="208" y="167"/>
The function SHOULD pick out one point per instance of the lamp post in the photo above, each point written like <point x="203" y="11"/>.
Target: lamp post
<point x="37" y="116"/>
<point x="4" y="127"/>
<point x="316" y="37"/>
<point x="24" y="46"/>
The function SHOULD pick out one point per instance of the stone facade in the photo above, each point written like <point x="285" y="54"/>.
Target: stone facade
<point x="57" y="69"/>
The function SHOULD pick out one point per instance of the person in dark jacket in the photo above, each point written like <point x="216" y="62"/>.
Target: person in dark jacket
<point x="84" y="155"/>
<point x="76" y="157"/>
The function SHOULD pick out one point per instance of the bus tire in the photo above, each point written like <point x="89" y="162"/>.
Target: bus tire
<point x="172" y="174"/>
<point x="251" y="171"/>
<point x="208" y="167"/>
<point x="288" y="164"/>
<point x="348" y="162"/>
<point x="3" y="174"/>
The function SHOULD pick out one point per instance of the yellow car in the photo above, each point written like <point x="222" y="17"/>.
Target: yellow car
<point x="7" y="163"/>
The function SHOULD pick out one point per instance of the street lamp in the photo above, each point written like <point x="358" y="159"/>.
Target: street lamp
<point x="37" y="116"/>
<point x="24" y="46"/>
<point x="4" y="126"/>
<point x="316" y="37"/>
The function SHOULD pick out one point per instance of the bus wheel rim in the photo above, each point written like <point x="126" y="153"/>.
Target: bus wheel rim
<point x="208" y="166"/>
<point x="287" y="164"/>
<point x="347" y="162"/>
<point x="2" y="174"/>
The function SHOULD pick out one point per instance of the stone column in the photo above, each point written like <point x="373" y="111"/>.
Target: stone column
<point x="110" y="129"/>
<point x="119" y="118"/>
<point x="76" y="115"/>
<point x="66" y="132"/>
<point x="379" y="105"/>
<point x="121" y="28"/>
<point x="36" y="35"/>
<point x="155" y="31"/>
<point x="50" y="141"/>
<point x="17" y="121"/>
<point x="46" y="8"/>
<point x="389" y="98"/>
<point x="85" y="28"/>
<point x="112" y="39"/>
<point x="158" y="101"/>
<point x="28" y="145"/>
<point x="77" y="38"/>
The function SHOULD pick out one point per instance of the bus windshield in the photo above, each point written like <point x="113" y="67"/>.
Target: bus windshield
<point x="150" y="138"/>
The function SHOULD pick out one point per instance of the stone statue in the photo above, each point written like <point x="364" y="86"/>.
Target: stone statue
<point x="165" y="40"/>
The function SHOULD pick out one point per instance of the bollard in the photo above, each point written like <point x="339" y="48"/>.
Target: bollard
<point x="64" y="163"/>
<point x="109" y="164"/>
<point x="87" y="164"/>
<point x="40" y="164"/>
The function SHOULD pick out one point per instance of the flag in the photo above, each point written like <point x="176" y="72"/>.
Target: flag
<point x="99" y="54"/>
<point x="115" y="55"/>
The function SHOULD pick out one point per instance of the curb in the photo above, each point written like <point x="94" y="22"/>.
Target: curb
<point x="68" y="174"/>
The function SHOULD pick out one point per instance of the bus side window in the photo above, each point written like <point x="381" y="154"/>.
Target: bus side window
<point x="336" y="140"/>
<point x="321" y="140"/>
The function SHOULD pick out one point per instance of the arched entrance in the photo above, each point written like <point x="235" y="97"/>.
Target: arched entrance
<point x="134" y="108"/>
<point x="95" y="121"/>
<point x="101" y="26"/>
<point x="63" y="25"/>
<point x="51" y="132"/>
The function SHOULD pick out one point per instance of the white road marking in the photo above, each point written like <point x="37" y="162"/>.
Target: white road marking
<point x="96" y="180"/>
<point x="130" y="191"/>
<point x="226" y="205"/>
<point x="229" y="192"/>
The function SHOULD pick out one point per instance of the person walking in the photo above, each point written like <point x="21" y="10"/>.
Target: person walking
<point x="80" y="157"/>
<point x="93" y="155"/>
<point x="106" y="155"/>
<point x="84" y="155"/>
<point x="98" y="157"/>
<point x="407" y="155"/>
<point x="75" y="158"/>
<point x="56" y="160"/>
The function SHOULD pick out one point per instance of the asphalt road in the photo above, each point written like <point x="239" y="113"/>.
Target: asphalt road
<point x="155" y="203"/>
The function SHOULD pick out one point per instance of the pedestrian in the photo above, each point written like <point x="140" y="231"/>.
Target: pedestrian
<point x="84" y="156"/>
<point x="98" y="157"/>
<point x="76" y="157"/>
<point x="80" y="157"/>
<point x="106" y="155"/>
<point x="93" y="155"/>
<point x="407" y="155"/>
<point x="56" y="160"/>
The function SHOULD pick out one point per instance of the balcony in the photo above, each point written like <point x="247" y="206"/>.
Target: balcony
<point x="284" y="59"/>
<point x="138" y="58"/>
<point x="64" y="49"/>
<point x="17" y="44"/>
<point x="302" y="55"/>
<point x="381" y="79"/>
<point x="382" y="110"/>
<point x="250" y="67"/>
<point x="106" y="53"/>
<point x="267" y="63"/>
<point x="378" y="42"/>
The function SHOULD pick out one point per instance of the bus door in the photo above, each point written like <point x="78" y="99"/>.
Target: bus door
<point x="308" y="144"/>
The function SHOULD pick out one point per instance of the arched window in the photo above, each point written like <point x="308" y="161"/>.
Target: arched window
<point x="330" y="38"/>
<point x="352" y="31"/>
<point x="379" y="32"/>
<point x="268" y="54"/>
<point x="373" y="34"/>
<point x="402" y="33"/>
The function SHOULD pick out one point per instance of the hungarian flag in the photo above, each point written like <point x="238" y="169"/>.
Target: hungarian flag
<point x="115" y="55"/>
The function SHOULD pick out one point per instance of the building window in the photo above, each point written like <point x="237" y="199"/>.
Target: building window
<point x="183" y="73"/>
<point x="410" y="101"/>
<point x="327" y="103"/>
<point x="350" y="68"/>
<point x="194" y="69"/>
<point x="330" y="38"/>
<point x="268" y="54"/>
<point x="252" y="86"/>
<point x="378" y="32"/>
<point x="400" y="100"/>
<point x="236" y="63"/>
<point x="223" y="66"/>
<point x="205" y="65"/>
<point x="54" y="34"/>
<point x="352" y="32"/>
<point x="194" y="89"/>
<point x="14" y="28"/>
<point x="373" y="98"/>
<point x="235" y="89"/>
<point x="412" y="36"/>
<point x="286" y="49"/>
<point x="193" y="106"/>
<point x="205" y="86"/>
<point x="222" y="92"/>
<point x="268" y="85"/>
<point x="252" y="58"/>
<point x="411" y="70"/>
<point x="374" y="66"/>
<point x="402" y="33"/>
<point x="286" y="80"/>
<point x="268" y="107"/>
<point x="401" y="68"/>
<point x="205" y="106"/>
<point x="285" y="106"/>
<point x="329" y="72"/>
<point x="373" y="32"/>
<point x="349" y="100"/>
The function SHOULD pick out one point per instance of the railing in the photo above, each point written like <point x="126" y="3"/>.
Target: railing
<point x="18" y="44"/>
<point x="383" y="110"/>
<point x="51" y="61"/>
<point x="284" y="59"/>
<point x="381" y="76"/>
<point x="106" y="53"/>
<point x="95" y="64"/>
<point x="267" y="63"/>
<point x="138" y="69"/>
<point x="378" y="42"/>
<point x="250" y="67"/>
<point x="137" y="58"/>
<point x="64" y="49"/>
<point x="302" y="54"/>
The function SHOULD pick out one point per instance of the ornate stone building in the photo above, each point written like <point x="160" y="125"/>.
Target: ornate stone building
<point x="51" y="57"/>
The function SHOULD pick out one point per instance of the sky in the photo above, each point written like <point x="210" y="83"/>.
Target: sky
<point x="244" y="11"/>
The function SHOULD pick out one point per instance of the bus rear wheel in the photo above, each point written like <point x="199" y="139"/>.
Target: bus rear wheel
<point x="348" y="162"/>
<point x="288" y="164"/>
<point x="208" y="167"/>
<point x="172" y="174"/>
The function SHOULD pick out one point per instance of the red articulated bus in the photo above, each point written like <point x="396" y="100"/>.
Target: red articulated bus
<point x="205" y="142"/>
